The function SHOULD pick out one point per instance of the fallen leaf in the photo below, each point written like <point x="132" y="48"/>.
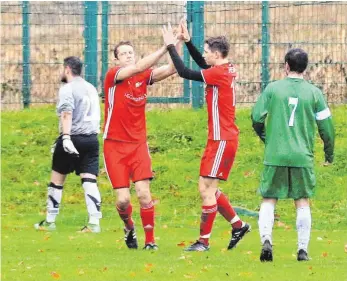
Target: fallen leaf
<point x="190" y="261"/>
<point x="81" y="272"/>
<point x="310" y="267"/>
<point x="319" y="238"/>
<point x="329" y="241"/>
<point x="55" y="275"/>
<point x="104" y="269"/>
<point x="182" y="244"/>
<point x="40" y="251"/>
<point x="287" y="227"/>
<point x="21" y="262"/>
<point x="324" y="254"/>
<point x="188" y="276"/>
<point x="346" y="248"/>
<point x="46" y="237"/>
<point x="280" y="224"/>
<point x="132" y="274"/>
<point x="36" y="183"/>
<point x="223" y="250"/>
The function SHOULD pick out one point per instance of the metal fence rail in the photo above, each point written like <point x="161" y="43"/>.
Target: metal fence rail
<point x="36" y="36"/>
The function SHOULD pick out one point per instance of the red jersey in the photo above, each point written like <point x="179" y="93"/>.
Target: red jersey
<point x="220" y="99"/>
<point x="125" y="103"/>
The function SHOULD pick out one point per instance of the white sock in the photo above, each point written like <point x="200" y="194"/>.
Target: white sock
<point x="54" y="195"/>
<point x="93" y="200"/>
<point x="303" y="227"/>
<point x="266" y="221"/>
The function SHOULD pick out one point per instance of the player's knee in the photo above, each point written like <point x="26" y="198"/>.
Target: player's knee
<point x="123" y="202"/>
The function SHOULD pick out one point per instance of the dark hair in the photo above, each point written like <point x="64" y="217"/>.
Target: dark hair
<point x="75" y="65"/>
<point x="297" y="60"/>
<point x="219" y="44"/>
<point x="121" y="43"/>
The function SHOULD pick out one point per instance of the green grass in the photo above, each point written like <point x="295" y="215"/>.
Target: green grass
<point x="177" y="139"/>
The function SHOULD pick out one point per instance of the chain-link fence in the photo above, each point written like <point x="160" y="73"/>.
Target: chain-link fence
<point x="36" y="36"/>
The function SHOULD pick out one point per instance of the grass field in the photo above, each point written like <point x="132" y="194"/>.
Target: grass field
<point x="177" y="139"/>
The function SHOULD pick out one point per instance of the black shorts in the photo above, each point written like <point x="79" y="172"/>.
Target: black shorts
<point x="87" y="161"/>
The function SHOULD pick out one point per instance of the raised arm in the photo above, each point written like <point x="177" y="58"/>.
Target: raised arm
<point x="182" y="70"/>
<point x="193" y="51"/>
<point x="141" y="65"/>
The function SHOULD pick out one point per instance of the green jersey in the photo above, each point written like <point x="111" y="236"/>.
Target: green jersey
<point x="292" y="107"/>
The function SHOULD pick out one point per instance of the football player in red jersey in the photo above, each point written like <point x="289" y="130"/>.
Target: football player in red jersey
<point x="219" y="76"/>
<point x="126" y="154"/>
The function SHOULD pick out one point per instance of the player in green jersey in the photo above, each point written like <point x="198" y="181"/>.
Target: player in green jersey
<point x="292" y="107"/>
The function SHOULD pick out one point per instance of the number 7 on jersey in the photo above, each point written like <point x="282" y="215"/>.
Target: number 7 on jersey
<point x="292" y="101"/>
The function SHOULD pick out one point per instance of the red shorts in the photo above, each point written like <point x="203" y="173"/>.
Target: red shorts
<point x="125" y="161"/>
<point x="218" y="159"/>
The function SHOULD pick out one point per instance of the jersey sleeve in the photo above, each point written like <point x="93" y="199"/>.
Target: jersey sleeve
<point x="66" y="100"/>
<point x="325" y="126"/>
<point x="260" y="111"/>
<point x="212" y="76"/>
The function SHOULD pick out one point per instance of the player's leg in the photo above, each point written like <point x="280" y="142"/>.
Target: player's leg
<point x="62" y="164"/>
<point x="115" y="160"/>
<point x="303" y="227"/>
<point x="227" y="152"/>
<point x="303" y="182"/>
<point x="143" y="193"/>
<point x="87" y="168"/>
<point x="93" y="202"/>
<point x="141" y="170"/>
<point x="274" y="184"/>
<point x="266" y="222"/>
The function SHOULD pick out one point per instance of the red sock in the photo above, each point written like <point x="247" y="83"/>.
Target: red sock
<point x="125" y="215"/>
<point x="227" y="211"/>
<point x="207" y="218"/>
<point x="147" y="217"/>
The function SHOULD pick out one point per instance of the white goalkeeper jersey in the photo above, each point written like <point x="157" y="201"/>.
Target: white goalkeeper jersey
<point x="82" y="99"/>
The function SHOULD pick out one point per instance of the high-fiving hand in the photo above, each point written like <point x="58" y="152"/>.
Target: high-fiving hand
<point x="183" y="31"/>
<point x="168" y="36"/>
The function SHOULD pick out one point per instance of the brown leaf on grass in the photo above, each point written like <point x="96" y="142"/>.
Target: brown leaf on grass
<point x="104" y="269"/>
<point x="148" y="267"/>
<point x="133" y="274"/>
<point x="46" y="237"/>
<point x="81" y="272"/>
<point x="346" y="248"/>
<point x="280" y="224"/>
<point x="329" y="241"/>
<point x="40" y="251"/>
<point x="324" y="254"/>
<point x="223" y="250"/>
<point x="181" y="244"/>
<point x="287" y="227"/>
<point x="189" y="276"/>
<point x="310" y="267"/>
<point x="247" y="174"/>
<point x="36" y="183"/>
<point x="55" y="275"/>
<point x="21" y="262"/>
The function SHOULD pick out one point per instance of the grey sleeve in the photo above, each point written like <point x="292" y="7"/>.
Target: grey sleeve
<point x="66" y="100"/>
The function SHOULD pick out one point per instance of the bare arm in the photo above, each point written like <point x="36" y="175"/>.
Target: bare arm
<point x="141" y="65"/>
<point x="66" y="122"/>
<point x="165" y="71"/>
